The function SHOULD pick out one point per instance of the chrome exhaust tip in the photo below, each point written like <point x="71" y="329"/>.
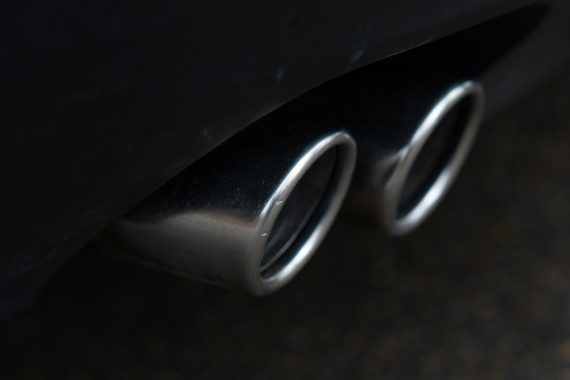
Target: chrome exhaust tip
<point x="248" y="215"/>
<point x="401" y="185"/>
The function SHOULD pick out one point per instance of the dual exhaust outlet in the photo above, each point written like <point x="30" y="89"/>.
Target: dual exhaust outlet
<point x="251" y="213"/>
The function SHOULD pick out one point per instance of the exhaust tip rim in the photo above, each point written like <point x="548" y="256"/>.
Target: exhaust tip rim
<point x="402" y="223"/>
<point x="306" y="243"/>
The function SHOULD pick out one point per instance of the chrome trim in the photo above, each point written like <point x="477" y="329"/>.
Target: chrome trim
<point x="213" y="221"/>
<point x="399" y="225"/>
<point x="387" y="154"/>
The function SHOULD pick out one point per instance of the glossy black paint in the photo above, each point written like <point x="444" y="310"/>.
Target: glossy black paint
<point x="105" y="101"/>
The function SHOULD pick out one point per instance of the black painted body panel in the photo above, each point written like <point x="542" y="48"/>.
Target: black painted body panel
<point x="106" y="101"/>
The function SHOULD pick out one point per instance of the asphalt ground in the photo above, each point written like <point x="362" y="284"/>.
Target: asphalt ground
<point x="482" y="291"/>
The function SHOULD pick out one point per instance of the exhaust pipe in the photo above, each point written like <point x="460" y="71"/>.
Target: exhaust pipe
<point x="411" y="150"/>
<point x="250" y="214"/>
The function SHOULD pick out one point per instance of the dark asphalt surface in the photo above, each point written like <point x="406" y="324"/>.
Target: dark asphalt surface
<point x="480" y="292"/>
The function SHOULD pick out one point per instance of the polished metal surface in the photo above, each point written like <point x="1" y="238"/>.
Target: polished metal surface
<point x="402" y="177"/>
<point x="250" y="214"/>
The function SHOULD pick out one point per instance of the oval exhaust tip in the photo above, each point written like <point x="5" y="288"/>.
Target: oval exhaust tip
<point x="250" y="214"/>
<point x="426" y="167"/>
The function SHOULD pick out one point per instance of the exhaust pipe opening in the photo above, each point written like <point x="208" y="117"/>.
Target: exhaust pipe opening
<point x="299" y="213"/>
<point x="248" y="215"/>
<point x="429" y="163"/>
<point x="436" y="153"/>
<point x="313" y="194"/>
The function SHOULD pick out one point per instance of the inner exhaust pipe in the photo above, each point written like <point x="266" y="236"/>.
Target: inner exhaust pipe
<point x="250" y="214"/>
<point x="408" y="162"/>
